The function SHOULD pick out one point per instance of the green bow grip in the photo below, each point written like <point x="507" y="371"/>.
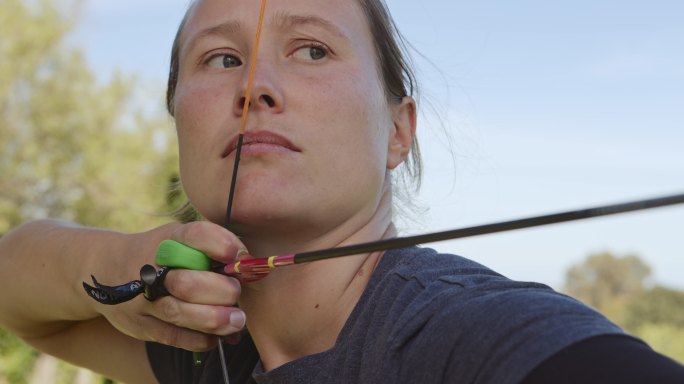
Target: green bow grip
<point x="173" y="254"/>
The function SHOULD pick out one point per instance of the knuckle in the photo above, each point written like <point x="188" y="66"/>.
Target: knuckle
<point x="226" y="244"/>
<point x="214" y="323"/>
<point x="217" y="322"/>
<point x="192" y="231"/>
<point x="170" y="309"/>
<point x="181" y="284"/>
<point x="233" y="290"/>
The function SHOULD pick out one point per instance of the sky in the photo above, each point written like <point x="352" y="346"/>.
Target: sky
<point x="528" y="108"/>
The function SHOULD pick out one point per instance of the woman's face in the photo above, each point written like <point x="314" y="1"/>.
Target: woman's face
<point x="319" y="126"/>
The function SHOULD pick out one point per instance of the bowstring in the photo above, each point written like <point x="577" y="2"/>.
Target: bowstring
<point x="238" y="150"/>
<point x="245" y="110"/>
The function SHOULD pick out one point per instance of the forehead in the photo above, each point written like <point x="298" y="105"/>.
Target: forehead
<point x="233" y="16"/>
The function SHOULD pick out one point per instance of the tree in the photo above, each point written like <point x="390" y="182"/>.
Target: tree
<point x="657" y="316"/>
<point x="605" y="281"/>
<point x="617" y="287"/>
<point x="665" y="338"/>
<point x="15" y="359"/>
<point x="658" y="305"/>
<point x="71" y="147"/>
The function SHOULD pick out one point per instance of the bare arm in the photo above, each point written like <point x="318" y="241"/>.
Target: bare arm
<point x="45" y="263"/>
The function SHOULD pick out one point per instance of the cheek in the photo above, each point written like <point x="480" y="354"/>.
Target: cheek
<point x="353" y="103"/>
<point x="195" y="103"/>
<point x="197" y="116"/>
<point x="352" y="138"/>
<point x="197" y="119"/>
<point x="366" y="121"/>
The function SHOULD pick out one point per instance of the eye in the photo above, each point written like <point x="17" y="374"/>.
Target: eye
<point x="311" y="52"/>
<point x="224" y="61"/>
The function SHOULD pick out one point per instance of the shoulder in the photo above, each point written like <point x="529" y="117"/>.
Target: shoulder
<point x="445" y="282"/>
<point x="466" y="321"/>
<point x="420" y="277"/>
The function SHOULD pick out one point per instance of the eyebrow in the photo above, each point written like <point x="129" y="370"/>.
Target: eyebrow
<point x="225" y="28"/>
<point x="281" y="19"/>
<point x="286" y="20"/>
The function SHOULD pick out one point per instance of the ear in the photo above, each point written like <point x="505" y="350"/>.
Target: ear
<point x="403" y="132"/>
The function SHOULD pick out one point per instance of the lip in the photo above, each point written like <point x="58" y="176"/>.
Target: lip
<point x="261" y="139"/>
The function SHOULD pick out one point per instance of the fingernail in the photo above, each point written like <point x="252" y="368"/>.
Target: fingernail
<point x="237" y="319"/>
<point x="241" y="252"/>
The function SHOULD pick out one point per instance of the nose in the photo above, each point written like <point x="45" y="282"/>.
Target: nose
<point x="266" y="94"/>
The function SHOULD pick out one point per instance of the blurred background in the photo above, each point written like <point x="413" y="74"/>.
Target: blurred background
<point x="528" y="108"/>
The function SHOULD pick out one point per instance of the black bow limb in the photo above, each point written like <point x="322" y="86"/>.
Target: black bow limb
<point x="151" y="285"/>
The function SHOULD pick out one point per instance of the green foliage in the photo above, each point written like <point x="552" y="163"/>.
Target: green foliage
<point x="71" y="147"/>
<point x="665" y="338"/>
<point x="657" y="316"/>
<point x="604" y="280"/>
<point x="16" y="358"/>
<point x="658" y="305"/>
<point x="617" y="287"/>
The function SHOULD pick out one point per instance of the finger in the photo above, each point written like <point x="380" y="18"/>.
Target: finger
<point x="203" y="287"/>
<point x="147" y="327"/>
<point x="169" y="334"/>
<point x="211" y="319"/>
<point x="214" y="240"/>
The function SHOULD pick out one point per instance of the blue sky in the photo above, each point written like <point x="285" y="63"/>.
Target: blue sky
<point x="549" y="106"/>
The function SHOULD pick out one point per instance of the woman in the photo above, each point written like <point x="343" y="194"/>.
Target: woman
<point x="330" y="120"/>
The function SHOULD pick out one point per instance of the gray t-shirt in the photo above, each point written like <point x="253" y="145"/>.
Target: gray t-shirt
<point x="424" y="318"/>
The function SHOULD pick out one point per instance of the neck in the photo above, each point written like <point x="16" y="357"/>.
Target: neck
<point x="300" y="310"/>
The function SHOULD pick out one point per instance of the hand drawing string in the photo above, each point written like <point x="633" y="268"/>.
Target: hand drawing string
<point x="238" y="150"/>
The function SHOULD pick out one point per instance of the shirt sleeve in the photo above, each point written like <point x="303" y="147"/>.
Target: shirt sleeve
<point x="606" y="360"/>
